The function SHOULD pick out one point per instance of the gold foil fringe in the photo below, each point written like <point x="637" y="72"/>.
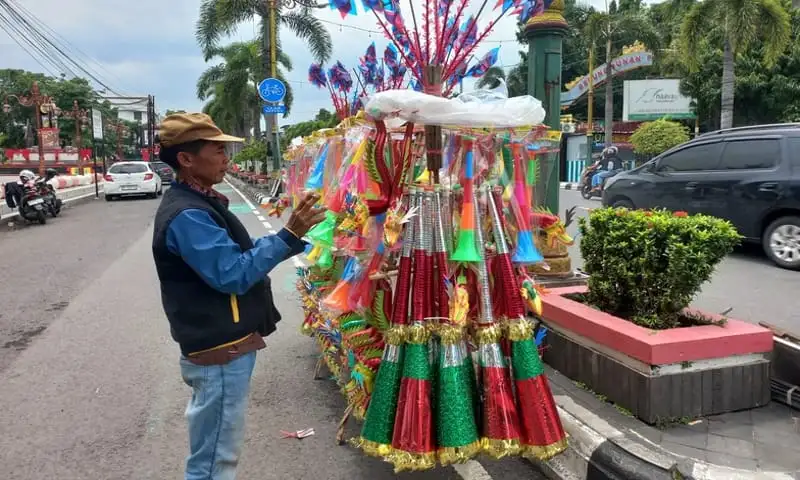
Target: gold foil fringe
<point x="488" y="335"/>
<point x="520" y="329"/>
<point x="373" y="449"/>
<point x="452" y="455"/>
<point x="450" y="334"/>
<point x="395" y="335"/>
<point x="546" y="452"/>
<point x="417" y="334"/>
<point x="498" y="449"/>
<point x="411" y="462"/>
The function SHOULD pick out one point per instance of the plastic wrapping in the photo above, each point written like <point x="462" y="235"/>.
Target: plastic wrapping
<point x="481" y="108"/>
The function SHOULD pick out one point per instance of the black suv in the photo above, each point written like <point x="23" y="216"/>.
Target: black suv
<point x="164" y="171"/>
<point x="747" y="175"/>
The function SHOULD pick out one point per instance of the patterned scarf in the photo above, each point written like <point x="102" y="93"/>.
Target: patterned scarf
<point x="208" y="192"/>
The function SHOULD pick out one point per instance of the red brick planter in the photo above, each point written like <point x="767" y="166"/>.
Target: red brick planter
<point x="658" y="374"/>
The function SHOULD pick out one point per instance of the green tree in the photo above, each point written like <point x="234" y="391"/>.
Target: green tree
<point x="515" y="80"/>
<point x="611" y="30"/>
<point x="653" y="138"/>
<point x="219" y="18"/>
<point x="173" y="112"/>
<point x="323" y="119"/>
<point x="64" y="92"/>
<point x="230" y="88"/>
<point x="737" y="24"/>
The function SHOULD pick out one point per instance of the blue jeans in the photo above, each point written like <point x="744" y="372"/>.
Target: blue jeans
<point x="216" y="415"/>
<point x="597" y="179"/>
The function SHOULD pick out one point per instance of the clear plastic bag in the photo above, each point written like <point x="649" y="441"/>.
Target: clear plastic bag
<point x="480" y="108"/>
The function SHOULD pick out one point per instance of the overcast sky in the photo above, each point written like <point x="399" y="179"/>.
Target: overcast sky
<point x="148" y="46"/>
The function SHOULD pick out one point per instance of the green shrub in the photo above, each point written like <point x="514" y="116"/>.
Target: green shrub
<point x="647" y="266"/>
<point x="653" y="138"/>
<point x="254" y="151"/>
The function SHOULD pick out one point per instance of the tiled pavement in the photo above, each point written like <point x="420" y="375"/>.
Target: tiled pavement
<point x="763" y="439"/>
<point x="766" y="438"/>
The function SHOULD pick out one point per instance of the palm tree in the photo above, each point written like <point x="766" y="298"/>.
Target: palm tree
<point x="515" y="80"/>
<point x="230" y="87"/>
<point x="219" y="18"/>
<point x="615" y="28"/>
<point x="741" y="22"/>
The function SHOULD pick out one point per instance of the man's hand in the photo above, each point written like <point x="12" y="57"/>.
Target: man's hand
<point x="306" y="215"/>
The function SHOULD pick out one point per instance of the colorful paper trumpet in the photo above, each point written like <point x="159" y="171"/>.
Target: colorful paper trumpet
<point x="525" y="252"/>
<point x="466" y="248"/>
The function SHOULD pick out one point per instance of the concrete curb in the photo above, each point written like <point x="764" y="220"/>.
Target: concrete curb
<point x="69" y="196"/>
<point x="599" y="451"/>
<point x="257" y="197"/>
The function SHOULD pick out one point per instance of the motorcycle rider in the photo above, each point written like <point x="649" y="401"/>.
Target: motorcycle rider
<point x="609" y="162"/>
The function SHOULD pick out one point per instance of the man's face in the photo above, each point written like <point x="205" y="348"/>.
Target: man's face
<point x="208" y="165"/>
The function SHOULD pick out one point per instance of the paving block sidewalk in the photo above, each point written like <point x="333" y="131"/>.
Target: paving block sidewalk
<point x="67" y="195"/>
<point x="606" y="442"/>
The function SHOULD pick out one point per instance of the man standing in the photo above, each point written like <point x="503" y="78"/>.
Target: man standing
<point x="215" y="289"/>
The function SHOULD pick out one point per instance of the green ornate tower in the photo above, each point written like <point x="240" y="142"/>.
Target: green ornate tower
<point x="545" y="33"/>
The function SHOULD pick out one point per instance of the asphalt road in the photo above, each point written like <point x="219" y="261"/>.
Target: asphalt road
<point x="745" y="281"/>
<point x="91" y="386"/>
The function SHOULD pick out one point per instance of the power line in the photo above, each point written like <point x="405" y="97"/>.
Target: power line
<point x="52" y="52"/>
<point x="8" y="28"/>
<point x="69" y="46"/>
<point x="34" y="37"/>
<point x="14" y="30"/>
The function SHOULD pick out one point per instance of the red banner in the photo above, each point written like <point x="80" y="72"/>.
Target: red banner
<point x="49" y="138"/>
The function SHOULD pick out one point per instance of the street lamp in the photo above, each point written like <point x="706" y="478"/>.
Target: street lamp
<point x="81" y="117"/>
<point x="120" y="129"/>
<point x="43" y="104"/>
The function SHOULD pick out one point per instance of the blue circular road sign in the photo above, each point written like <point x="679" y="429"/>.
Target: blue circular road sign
<point x="271" y="90"/>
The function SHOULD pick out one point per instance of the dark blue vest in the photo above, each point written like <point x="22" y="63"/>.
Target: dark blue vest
<point x="199" y="316"/>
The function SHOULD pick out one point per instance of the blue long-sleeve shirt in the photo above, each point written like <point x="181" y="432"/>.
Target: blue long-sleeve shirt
<point x="218" y="260"/>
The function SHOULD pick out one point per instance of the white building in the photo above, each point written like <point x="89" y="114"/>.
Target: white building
<point x="134" y="109"/>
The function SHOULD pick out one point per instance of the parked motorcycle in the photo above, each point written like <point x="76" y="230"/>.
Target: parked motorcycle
<point x="52" y="203"/>
<point x="31" y="206"/>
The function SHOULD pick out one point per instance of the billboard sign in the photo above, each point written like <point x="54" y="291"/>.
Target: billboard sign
<point x="97" y="124"/>
<point x="645" y="100"/>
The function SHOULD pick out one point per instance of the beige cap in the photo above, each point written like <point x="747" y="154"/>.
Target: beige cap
<point x="182" y="128"/>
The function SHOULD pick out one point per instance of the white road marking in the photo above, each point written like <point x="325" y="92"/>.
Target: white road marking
<point x="246" y="201"/>
<point x="261" y="218"/>
<point x="472" y="470"/>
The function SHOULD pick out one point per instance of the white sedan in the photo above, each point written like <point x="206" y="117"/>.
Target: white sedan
<point x="131" y="178"/>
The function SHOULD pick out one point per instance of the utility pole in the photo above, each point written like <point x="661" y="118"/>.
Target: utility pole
<point x="590" y="107"/>
<point x="151" y="126"/>
<point x="271" y="120"/>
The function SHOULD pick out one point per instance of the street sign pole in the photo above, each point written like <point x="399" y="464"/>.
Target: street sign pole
<point x="94" y="172"/>
<point x="273" y="70"/>
<point x="273" y="91"/>
<point x="97" y="134"/>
